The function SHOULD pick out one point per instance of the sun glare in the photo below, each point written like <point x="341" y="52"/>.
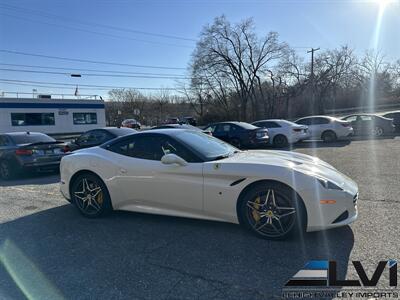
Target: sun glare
<point x="385" y="3"/>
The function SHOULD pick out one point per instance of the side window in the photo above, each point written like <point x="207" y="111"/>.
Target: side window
<point x="271" y="125"/>
<point x="83" y="138"/>
<point x="143" y="147"/>
<point x="222" y="128"/>
<point x="152" y="148"/>
<point x="320" y="121"/>
<point x="234" y="128"/>
<point x="351" y="118"/>
<point x="304" y="121"/>
<point x="210" y="128"/>
<point x="169" y="146"/>
<point x="226" y="127"/>
<point x="99" y="136"/>
<point x="366" y="118"/>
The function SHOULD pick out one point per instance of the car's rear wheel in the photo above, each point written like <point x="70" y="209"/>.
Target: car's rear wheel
<point x="272" y="211"/>
<point x="329" y="136"/>
<point x="7" y="170"/>
<point x="90" y="195"/>
<point x="280" y="141"/>
<point x="377" y="131"/>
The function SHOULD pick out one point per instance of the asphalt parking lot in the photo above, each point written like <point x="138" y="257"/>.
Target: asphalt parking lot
<point x="48" y="251"/>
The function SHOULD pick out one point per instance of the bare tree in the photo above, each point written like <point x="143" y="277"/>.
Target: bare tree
<point x="232" y="61"/>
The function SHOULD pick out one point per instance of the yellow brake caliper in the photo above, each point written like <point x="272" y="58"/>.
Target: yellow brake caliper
<point x="100" y="198"/>
<point x="255" y="213"/>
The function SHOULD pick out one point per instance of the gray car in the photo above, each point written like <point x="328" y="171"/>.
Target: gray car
<point x="370" y="124"/>
<point x="28" y="151"/>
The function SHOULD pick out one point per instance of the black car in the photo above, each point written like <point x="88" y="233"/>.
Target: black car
<point x="190" y="120"/>
<point x="239" y="134"/>
<point x="395" y="116"/>
<point x="370" y="124"/>
<point x="97" y="137"/>
<point x="28" y="151"/>
<point x="181" y="126"/>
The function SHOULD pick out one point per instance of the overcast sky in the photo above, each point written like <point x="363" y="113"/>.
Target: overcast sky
<point x="83" y="29"/>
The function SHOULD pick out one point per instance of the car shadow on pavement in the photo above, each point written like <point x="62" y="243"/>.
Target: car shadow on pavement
<point x="314" y="144"/>
<point x="32" y="179"/>
<point x="59" y="254"/>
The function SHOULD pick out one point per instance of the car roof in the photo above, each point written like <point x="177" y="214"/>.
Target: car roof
<point x="177" y="126"/>
<point x="165" y="131"/>
<point x="119" y="130"/>
<point x="318" y="116"/>
<point x="392" y="112"/>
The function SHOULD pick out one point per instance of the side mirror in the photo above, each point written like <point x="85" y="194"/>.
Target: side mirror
<point x="169" y="159"/>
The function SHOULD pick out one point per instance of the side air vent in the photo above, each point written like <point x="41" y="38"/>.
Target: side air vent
<point x="342" y="217"/>
<point x="237" y="181"/>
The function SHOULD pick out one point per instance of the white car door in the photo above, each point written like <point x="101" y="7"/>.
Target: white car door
<point x="142" y="180"/>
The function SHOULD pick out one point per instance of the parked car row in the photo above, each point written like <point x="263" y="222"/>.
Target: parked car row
<point x="37" y="151"/>
<point x="281" y="133"/>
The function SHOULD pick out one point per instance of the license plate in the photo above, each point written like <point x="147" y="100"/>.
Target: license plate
<point x="48" y="152"/>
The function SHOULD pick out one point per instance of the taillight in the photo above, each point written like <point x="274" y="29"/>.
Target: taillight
<point x="23" y="152"/>
<point x="67" y="149"/>
<point x="261" y="134"/>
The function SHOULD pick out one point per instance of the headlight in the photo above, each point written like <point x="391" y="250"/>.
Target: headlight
<point x="328" y="184"/>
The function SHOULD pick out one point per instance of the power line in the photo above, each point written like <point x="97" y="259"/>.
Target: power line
<point x="72" y="70"/>
<point x="52" y="87"/>
<point x="89" y="61"/>
<point x="95" y="32"/>
<point x="92" y="74"/>
<point x="84" y="85"/>
<point x="116" y="28"/>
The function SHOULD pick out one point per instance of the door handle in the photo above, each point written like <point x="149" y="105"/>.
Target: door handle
<point x="123" y="171"/>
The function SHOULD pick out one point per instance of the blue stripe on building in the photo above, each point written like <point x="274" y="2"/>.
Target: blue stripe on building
<point x="50" y="105"/>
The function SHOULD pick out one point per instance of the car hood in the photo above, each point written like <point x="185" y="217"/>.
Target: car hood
<point x="303" y="163"/>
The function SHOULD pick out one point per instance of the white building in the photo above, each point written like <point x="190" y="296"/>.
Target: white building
<point x="51" y="116"/>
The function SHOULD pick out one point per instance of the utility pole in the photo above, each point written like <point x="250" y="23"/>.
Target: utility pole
<point x="312" y="78"/>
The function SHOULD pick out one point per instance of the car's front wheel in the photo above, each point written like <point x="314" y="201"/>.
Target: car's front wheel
<point x="90" y="196"/>
<point x="272" y="211"/>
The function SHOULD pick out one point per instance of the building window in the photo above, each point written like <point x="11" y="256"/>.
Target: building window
<point x="85" y="118"/>
<point x="32" y="119"/>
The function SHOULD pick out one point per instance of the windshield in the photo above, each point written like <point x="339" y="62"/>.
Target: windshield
<point x="31" y="138"/>
<point x="207" y="146"/>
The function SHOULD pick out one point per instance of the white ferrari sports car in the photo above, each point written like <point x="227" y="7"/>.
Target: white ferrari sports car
<point x="187" y="173"/>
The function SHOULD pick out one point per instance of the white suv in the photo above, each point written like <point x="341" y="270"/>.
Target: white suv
<point x="326" y="128"/>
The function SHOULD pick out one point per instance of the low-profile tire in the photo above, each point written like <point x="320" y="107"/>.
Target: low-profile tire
<point x="272" y="210"/>
<point x="377" y="131"/>
<point x="329" y="136"/>
<point x="280" y="141"/>
<point x="8" y="170"/>
<point x="90" y="195"/>
<point x="236" y="143"/>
